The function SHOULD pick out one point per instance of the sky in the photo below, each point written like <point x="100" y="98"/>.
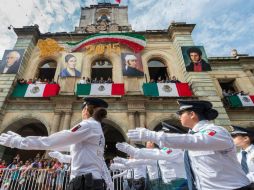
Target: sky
<point x="221" y="25"/>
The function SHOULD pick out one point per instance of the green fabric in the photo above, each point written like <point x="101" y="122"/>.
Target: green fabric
<point x="19" y="90"/>
<point x="150" y="89"/>
<point x="178" y="184"/>
<point x="133" y="35"/>
<point x="234" y="101"/>
<point x="83" y="89"/>
<point x="154" y="184"/>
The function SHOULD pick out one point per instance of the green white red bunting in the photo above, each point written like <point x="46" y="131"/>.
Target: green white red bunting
<point x="240" y="101"/>
<point x="136" y="42"/>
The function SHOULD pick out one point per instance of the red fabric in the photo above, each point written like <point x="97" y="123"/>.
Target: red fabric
<point x="51" y="90"/>
<point x="252" y="98"/>
<point x="198" y="67"/>
<point x="133" y="45"/>
<point x="183" y="89"/>
<point x="117" y="89"/>
<point x="118" y="1"/>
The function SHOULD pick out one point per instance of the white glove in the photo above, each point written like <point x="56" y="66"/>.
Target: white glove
<point x="143" y="134"/>
<point x="126" y="148"/>
<point x="120" y="160"/>
<point x="117" y="166"/>
<point x="54" y="154"/>
<point x="10" y="139"/>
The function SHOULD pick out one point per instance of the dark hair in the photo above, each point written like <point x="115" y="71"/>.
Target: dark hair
<point x="194" y="50"/>
<point x="99" y="114"/>
<point x="68" y="57"/>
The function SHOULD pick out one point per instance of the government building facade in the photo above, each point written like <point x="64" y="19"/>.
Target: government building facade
<point x="103" y="47"/>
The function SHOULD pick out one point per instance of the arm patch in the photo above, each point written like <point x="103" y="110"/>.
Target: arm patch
<point x="75" y="128"/>
<point x="208" y="132"/>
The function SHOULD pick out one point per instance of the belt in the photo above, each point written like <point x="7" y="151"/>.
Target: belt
<point x="247" y="187"/>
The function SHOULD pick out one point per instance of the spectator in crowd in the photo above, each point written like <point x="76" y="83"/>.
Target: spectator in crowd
<point x="30" y="81"/>
<point x="95" y="80"/>
<point x="82" y="80"/>
<point x="88" y="80"/>
<point x="225" y="93"/>
<point x="152" y="81"/>
<point x="109" y="80"/>
<point x="174" y="80"/>
<point x="101" y="80"/>
<point x="168" y="79"/>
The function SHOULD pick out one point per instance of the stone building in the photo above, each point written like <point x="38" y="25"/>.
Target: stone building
<point x="162" y="56"/>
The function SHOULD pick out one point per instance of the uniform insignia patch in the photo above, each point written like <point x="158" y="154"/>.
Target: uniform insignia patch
<point x="167" y="150"/>
<point x="75" y="128"/>
<point x="208" y="132"/>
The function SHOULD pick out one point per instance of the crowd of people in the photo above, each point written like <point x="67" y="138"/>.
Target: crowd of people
<point x="101" y="80"/>
<point x="35" y="81"/>
<point x="230" y="92"/>
<point x="167" y="79"/>
<point x="41" y="173"/>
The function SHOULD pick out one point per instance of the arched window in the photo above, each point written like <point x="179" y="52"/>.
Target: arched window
<point x="157" y="69"/>
<point x="101" y="69"/>
<point x="47" y="70"/>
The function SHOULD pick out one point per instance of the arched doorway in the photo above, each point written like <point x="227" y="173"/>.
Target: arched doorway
<point x="47" y="70"/>
<point x="157" y="69"/>
<point x="112" y="136"/>
<point x="101" y="69"/>
<point x="24" y="127"/>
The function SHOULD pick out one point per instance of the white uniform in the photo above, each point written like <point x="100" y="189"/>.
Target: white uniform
<point x="85" y="142"/>
<point x="250" y="160"/>
<point x="170" y="162"/>
<point x="212" y="154"/>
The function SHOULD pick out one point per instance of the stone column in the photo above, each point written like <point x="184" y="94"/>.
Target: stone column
<point x="131" y="120"/>
<point x="67" y="121"/>
<point x="56" y="122"/>
<point x="142" y="119"/>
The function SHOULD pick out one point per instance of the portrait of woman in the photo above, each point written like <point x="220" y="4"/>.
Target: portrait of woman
<point x="70" y="69"/>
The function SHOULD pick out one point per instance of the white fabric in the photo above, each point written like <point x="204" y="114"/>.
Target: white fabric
<point x="63" y="158"/>
<point x="167" y="89"/>
<point x="246" y="100"/>
<point x="101" y="89"/>
<point x="250" y="161"/>
<point x="213" y="158"/>
<point x="35" y="90"/>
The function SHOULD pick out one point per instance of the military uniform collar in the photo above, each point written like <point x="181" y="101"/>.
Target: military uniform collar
<point x="249" y="148"/>
<point x="199" y="125"/>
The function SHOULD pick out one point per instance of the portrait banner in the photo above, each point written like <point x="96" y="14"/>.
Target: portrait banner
<point x="71" y="65"/>
<point x="195" y="59"/>
<point x="132" y="65"/>
<point x="11" y="61"/>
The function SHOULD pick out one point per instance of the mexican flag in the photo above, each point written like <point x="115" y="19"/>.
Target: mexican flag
<point x="107" y="89"/>
<point x="35" y="90"/>
<point x="240" y="101"/>
<point x="166" y="89"/>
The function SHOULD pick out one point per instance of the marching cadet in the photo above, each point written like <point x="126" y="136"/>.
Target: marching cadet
<point x="210" y="154"/>
<point x="85" y="142"/>
<point x="243" y="139"/>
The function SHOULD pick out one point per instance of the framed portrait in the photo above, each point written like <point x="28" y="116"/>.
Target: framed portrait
<point x="71" y="65"/>
<point x="11" y="61"/>
<point x="132" y="65"/>
<point x="195" y="59"/>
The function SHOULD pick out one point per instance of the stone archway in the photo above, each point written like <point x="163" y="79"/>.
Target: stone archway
<point x="24" y="127"/>
<point x="113" y="134"/>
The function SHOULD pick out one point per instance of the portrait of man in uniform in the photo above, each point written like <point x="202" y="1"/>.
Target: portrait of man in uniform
<point x="132" y="65"/>
<point x="71" y="65"/>
<point x="195" y="59"/>
<point x="11" y="61"/>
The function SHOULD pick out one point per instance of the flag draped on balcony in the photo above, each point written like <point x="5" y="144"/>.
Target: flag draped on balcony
<point x="100" y="89"/>
<point x="166" y="89"/>
<point x="240" y="101"/>
<point x="35" y="90"/>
